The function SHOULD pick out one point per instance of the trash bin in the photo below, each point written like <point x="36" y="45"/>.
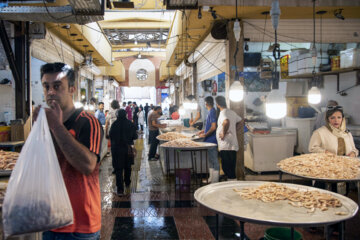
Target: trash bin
<point x="183" y="178"/>
<point x="281" y="234"/>
<point x="186" y="122"/>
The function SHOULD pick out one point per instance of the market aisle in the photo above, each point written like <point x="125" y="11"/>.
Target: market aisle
<point x="154" y="210"/>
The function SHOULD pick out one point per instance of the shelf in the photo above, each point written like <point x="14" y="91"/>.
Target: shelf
<point x="335" y="72"/>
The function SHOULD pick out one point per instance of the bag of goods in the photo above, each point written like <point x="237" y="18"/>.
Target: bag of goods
<point x="36" y="198"/>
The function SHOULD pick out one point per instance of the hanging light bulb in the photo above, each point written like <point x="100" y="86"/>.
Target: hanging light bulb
<point x="237" y="30"/>
<point x="135" y="42"/>
<point x="275" y="106"/>
<point x="275" y="110"/>
<point x="181" y="111"/>
<point x="236" y="92"/>
<point x="139" y="56"/>
<point x="314" y="95"/>
<point x="275" y="13"/>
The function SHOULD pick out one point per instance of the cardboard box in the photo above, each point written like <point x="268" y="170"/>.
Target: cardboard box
<point x="20" y="131"/>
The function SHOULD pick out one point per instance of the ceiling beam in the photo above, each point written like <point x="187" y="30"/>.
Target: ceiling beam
<point x="283" y="3"/>
<point x="132" y="25"/>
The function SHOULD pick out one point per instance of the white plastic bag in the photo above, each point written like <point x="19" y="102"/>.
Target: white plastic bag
<point x="36" y="198"/>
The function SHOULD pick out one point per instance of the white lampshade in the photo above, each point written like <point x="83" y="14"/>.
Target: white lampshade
<point x="181" y="111"/>
<point x="236" y="92"/>
<point x="78" y="105"/>
<point x="275" y="110"/>
<point x="314" y="95"/>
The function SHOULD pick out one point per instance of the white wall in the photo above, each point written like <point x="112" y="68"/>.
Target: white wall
<point x="7" y="95"/>
<point x="144" y="64"/>
<point x="36" y="87"/>
<point x="351" y="102"/>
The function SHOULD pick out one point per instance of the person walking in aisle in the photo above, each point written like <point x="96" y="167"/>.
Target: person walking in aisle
<point x="146" y="109"/>
<point x="141" y="118"/>
<point x="128" y="110"/>
<point x="154" y="126"/>
<point x="111" y="117"/>
<point x="77" y="138"/>
<point x="228" y="123"/>
<point x="99" y="114"/>
<point x="209" y="135"/>
<point x="122" y="135"/>
<point x="135" y="115"/>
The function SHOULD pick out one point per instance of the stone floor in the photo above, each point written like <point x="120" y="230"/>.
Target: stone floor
<point x="154" y="209"/>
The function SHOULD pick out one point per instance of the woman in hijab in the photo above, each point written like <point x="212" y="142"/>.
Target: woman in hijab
<point x="333" y="137"/>
<point x="122" y="135"/>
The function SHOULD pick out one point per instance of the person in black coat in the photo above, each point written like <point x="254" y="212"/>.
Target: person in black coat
<point x="122" y="135"/>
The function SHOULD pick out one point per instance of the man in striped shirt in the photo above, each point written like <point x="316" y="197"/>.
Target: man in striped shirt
<point x="77" y="138"/>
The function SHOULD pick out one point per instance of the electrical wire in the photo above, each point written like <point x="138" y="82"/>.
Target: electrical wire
<point x="52" y="40"/>
<point x="55" y="18"/>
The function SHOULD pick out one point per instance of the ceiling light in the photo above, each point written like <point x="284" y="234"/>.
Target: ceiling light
<point x="237" y="30"/>
<point x="85" y="46"/>
<point x="275" y="13"/>
<point x="213" y="13"/>
<point x="135" y="42"/>
<point x="275" y="110"/>
<point x="67" y="26"/>
<point x="73" y="34"/>
<point x="139" y="56"/>
<point x="314" y="95"/>
<point x="199" y="13"/>
<point x="79" y="40"/>
<point x="338" y="14"/>
<point x="236" y="92"/>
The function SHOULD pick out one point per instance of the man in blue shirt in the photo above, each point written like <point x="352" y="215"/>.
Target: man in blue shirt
<point x="99" y="114"/>
<point x="209" y="134"/>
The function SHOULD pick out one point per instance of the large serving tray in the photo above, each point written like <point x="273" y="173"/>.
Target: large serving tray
<point x="204" y="145"/>
<point x="221" y="198"/>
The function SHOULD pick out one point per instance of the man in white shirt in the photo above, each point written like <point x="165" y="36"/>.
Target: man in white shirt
<point x="228" y="122"/>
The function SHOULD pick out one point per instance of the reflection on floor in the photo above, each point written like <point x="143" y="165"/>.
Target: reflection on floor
<point x="155" y="210"/>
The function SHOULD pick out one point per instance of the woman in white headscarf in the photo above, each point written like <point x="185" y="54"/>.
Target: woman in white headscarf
<point x="333" y="137"/>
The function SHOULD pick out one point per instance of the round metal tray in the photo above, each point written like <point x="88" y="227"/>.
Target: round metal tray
<point x="204" y="145"/>
<point x="323" y="179"/>
<point x="221" y="198"/>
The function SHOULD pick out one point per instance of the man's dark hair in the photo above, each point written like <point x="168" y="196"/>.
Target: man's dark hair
<point x="129" y="102"/>
<point x="115" y="104"/>
<point x="220" y="100"/>
<point x="209" y="101"/>
<point x="58" y="67"/>
<point x="157" y="108"/>
<point x="124" y="103"/>
<point x="190" y="97"/>
<point x="93" y="100"/>
<point x="134" y="103"/>
<point x="101" y="103"/>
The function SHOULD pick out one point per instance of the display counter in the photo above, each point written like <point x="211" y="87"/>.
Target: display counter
<point x="264" y="151"/>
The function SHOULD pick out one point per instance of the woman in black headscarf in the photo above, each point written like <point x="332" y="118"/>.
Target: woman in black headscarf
<point x="122" y="135"/>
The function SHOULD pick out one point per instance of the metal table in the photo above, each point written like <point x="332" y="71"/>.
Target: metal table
<point x="11" y="145"/>
<point x="177" y="162"/>
<point x="222" y="199"/>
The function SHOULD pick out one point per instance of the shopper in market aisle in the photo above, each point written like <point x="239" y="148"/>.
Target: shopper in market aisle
<point x="77" y="138"/>
<point x="99" y="114"/>
<point x="141" y="119"/>
<point x="146" y="110"/>
<point x="321" y="117"/>
<point x="209" y="135"/>
<point x="111" y="117"/>
<point x="122" y="135"/>
<point x="123" y="105"/>
<point x="128" y="110"/>
<point x="228" y="123"/>
<point x="135" y="115"/>
<point x="333" y="137"/>
<point x="154" y="126"/>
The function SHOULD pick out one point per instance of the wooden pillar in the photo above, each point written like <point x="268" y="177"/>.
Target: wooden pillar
<point x="20" y="57"/>
<point x="236" y="107"/>
<point x="194" y="80"/>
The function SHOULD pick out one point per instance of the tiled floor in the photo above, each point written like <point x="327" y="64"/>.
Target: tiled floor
<point x="154" y="210"/>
